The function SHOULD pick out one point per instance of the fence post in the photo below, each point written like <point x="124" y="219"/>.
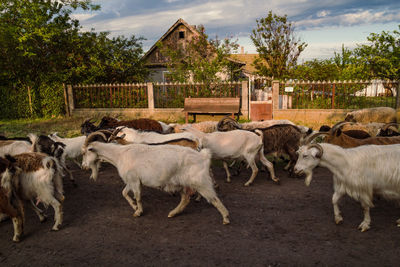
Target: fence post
<point x="245" y="100"/>
<point x="66" y="101"/>
<point x="333" y="96"/>
<point x="275" y="96"/>
<point x="150" y="97"/>
<point x="71" y="103"/>
<point x="398" y="95"/>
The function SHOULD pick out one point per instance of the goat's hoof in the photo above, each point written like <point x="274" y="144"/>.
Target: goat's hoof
<point x="247" y="184"/>
<point x="363" y="227"/>
<point x="55" y="228"/>
<point x="137" y="214"/>
<point x="276" y="181"/>
<point x="226" y="221"/>
<point x="338" y="220"/>
<point x="16" y="239"/>
<point x="43" y="218"/>
<point x="398" y="223"/>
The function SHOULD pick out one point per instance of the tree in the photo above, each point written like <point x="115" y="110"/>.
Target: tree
<point x="200" y="59"/>
<point x="277" y="46"/>
<point x="41" y="47"/>
<point x="381" y="56"/>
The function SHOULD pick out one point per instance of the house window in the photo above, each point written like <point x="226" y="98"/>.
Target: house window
<point x="166" y="77"/>
<point x="181" y="35"/>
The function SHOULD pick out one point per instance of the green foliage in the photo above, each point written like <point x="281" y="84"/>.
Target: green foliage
<point x="200" y="59"/>
<point x="381" y="56"/>
<point x="41" y="47"/>
<point x="277" y="46"/>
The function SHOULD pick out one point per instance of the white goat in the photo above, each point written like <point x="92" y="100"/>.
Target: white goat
<point x="358" y="172"/>
<point x="14" y="147"/>
<point x="140" y="137"/>
<point x="73" y="146"/>
<point x="236" y="144"/>
<point x="168" y="167"/>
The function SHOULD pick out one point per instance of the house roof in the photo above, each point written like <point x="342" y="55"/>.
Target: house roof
<point x="171" y="29"/>
<point x="246" y="59"/>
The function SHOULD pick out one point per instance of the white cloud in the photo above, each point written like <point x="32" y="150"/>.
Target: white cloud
<point x="323" y="13"/>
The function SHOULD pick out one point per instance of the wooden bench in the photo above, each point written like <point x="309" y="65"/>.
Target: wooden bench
<point x="212" y="106"/>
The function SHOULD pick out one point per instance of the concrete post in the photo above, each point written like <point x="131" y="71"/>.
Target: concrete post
<point x="245" y="99"/>
<point x="150" y="97"/>
<point x="275" y="96"/>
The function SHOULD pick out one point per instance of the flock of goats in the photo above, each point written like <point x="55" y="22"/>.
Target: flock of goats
<point x="363" y="158"/>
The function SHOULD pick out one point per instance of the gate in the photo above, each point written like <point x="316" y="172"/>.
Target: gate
<point x="260" y="110"/>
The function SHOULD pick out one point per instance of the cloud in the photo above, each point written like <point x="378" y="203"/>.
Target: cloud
<point x="232" y="18"/>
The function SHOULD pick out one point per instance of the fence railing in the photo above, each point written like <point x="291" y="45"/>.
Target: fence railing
<point x="172" y="95"/>
<point x="337" y="94"/>
<point x="110" y="96"/>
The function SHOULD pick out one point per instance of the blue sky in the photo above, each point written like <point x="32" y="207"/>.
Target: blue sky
<point x="323" y="25"/>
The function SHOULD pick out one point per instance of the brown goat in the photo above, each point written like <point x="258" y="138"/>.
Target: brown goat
<point x="143" y="124"/>
<point x="336" y="137"/>
<point x="283" y="139"/>
<point x="10" y="202"/>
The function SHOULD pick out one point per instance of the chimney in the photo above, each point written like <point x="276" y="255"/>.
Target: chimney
<point x="241" y="50"/>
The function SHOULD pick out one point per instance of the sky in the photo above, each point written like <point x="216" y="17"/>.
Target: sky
<point x="323" y="25"/>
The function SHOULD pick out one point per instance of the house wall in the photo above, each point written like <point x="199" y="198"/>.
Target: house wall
<point x="156" y="75"/>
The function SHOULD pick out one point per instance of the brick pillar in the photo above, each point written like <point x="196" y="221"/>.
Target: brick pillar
<point x="150" y="97"/>
<point x="245" y="100"/>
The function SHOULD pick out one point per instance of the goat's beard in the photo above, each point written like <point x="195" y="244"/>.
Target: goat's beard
<point x="95" y="170"/>
<point x="308" y="179"/>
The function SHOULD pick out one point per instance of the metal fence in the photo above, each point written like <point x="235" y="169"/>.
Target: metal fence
<point x="337" y="94"/>
<point x="172" y="95"/>
<point x="110" y="96"/>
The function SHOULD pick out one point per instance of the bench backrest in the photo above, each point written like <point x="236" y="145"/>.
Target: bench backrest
<point x="212" y="105"/>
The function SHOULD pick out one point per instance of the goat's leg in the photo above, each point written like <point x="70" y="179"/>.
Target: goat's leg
<point x="336" y="211"/>
<point x="364" y="226"/>
<point x="136" y="188"/>
<point x="18" y="223"/>
<point x="228" y="175"/>
<point x="39" y="212"/>
<point x="185" y="199"/>
<point x="58" y="213"/>
<point x="254" y="170"/>
<point x="216" y="202"/>
<point x="71" y="177"/>
<point x="125" y="193"/>
<point x="269" y="166"/>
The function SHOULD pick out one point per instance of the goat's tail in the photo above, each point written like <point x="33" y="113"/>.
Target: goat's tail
<point x="259" y="133"/>
<point x="56" y="172"/>
<point x="34" y="140"/>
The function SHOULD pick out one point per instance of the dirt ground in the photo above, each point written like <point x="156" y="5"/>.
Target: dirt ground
<point x="271" y="225"/>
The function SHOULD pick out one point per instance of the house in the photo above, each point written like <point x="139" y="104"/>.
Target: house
<point x="178" y="34"/>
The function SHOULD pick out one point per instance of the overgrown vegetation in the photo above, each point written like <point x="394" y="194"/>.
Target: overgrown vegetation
<point x="42" y="47"/>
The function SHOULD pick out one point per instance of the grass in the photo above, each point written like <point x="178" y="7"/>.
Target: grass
<point x="65" y="126"/>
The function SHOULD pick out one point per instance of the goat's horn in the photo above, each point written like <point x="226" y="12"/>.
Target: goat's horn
<point x="312" y="136"/>
<point x="320" y="149"/>
<point x="386" y="126"/>
<point x="338" y="125"/>
<point x="91" y="136"/>
<point x="115" y="132"/>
